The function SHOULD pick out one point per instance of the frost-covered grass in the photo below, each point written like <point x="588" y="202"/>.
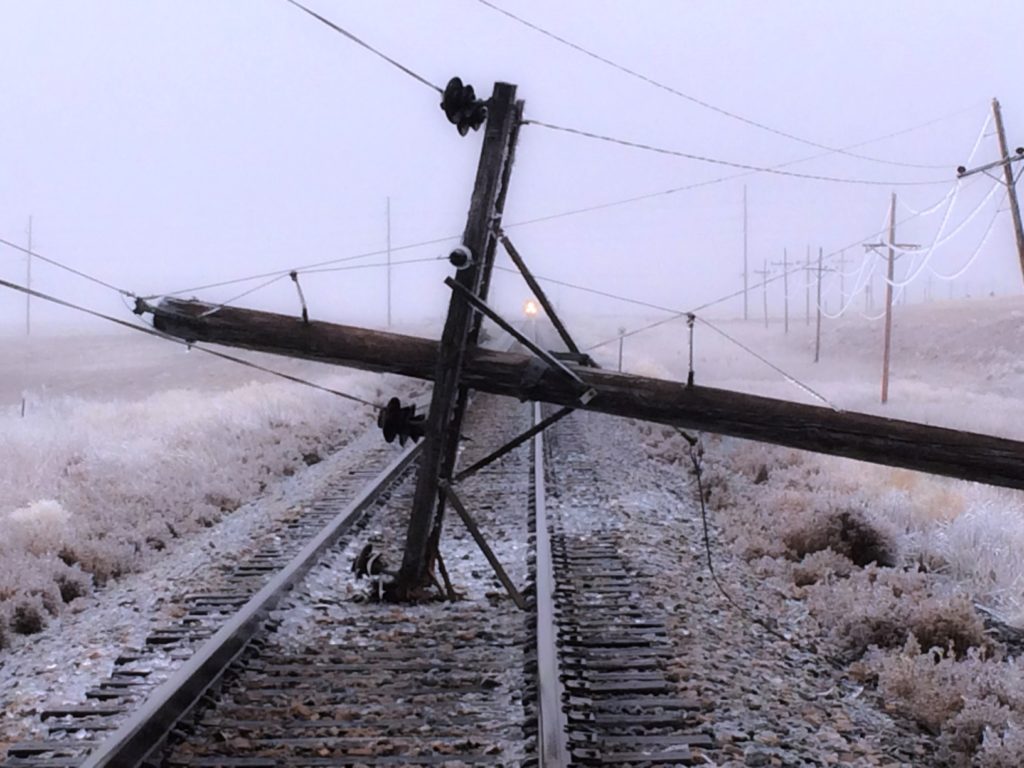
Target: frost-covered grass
<point x="812" y="525"/>
<point x="96" y="486"/>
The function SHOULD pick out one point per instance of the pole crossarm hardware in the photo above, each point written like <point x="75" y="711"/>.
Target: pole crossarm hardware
<point x="876" y="439"/>
<point x="512" y="444"/>
<point x="1006" y="161"/>
<point x="542" y="297"/>
<point x="586" y="393"/>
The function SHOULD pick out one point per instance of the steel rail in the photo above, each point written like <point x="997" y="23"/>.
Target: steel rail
<point x="552" y="735"/>
<point x="145" y="731"/>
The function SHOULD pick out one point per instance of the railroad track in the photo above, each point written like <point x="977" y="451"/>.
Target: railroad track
<point x="312" y="671"/>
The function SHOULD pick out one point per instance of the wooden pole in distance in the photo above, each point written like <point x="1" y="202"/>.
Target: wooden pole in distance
<point x="1011" y="185"/>
<point x="890" y="272"/>
<point x="785" y="289"/>
<point x="807" y="287"/>
<point x="28" y="282"/>
<point x="817" y="332"/>
<point x="764" y="289"/>
<point x="745" y="265"/>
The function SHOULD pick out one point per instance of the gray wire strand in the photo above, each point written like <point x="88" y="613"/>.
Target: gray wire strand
<point x="65" y="267"/>
<point x="788" y="376"/>
<point x="695" y="100"/>
<point x="367" y="46"/>
<point x="729" y="163"/>
<point x="176" y="340"/>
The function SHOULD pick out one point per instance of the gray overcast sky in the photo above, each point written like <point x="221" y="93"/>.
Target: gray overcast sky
<point x="160" y="145"/>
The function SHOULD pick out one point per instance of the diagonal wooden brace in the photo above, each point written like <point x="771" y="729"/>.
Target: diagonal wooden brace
<point x="542" y="297"/>
<point x="586" y="393"/>
<point x="512" y="444"/>
<point x="481" y="542"/>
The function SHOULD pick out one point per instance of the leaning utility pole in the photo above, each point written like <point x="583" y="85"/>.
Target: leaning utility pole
<point x="785" y="288"/>
<point x="1008" y="177"/>
<point x="877" y="439"/>
<point x="474" y="260"/>
<point x="745" y="269"/>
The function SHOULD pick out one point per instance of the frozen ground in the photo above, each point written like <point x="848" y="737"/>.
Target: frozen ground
<point x="131" y="453"/>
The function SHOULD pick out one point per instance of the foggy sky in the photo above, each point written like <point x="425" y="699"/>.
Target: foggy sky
<point x="162" y="145"/>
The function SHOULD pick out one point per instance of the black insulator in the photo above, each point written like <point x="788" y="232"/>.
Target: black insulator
<point x="461" y="106"/>
<point x="396" y="420"/>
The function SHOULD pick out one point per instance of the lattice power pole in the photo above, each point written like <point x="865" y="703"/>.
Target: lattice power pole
<point x="1008" y="178"/>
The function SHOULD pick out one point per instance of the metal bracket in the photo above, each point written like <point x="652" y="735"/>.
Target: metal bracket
<point x="586" y="393"/>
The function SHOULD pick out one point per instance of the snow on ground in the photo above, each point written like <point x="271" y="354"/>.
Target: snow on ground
<point x="954" y="364"/>
<point x="128" y="443"/>
<point x="132" y="455"/>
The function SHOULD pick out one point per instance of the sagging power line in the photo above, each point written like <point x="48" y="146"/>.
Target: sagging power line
<point x="700" y="102"/>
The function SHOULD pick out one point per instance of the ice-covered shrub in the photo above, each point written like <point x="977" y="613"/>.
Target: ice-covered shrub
<point x="973" y="702"/>
<point x="883" y="606"/>
<point x="819" y="565"/>
<point x="846" y="531"/>
<point x="90" y="489"/>
<point x="27" y="617"/>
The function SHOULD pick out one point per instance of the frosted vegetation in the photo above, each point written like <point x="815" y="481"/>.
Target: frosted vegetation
<point x="97" y="485"/>
<point x="896" y="569"/>
<point x="128" y="446"/>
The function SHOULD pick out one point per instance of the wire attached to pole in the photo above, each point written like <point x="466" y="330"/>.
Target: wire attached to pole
<point x="302" y="299"/>
<point x="366" y="45"/>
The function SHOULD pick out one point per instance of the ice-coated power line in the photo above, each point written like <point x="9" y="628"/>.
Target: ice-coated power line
<point x="694" y="99"/>
<point x="729" y="163"/>
<point x="367" y="46"/>
<point x="977" y="251"/>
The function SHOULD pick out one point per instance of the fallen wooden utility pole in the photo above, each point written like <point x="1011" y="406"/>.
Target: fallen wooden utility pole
<point x="950" y="452"/>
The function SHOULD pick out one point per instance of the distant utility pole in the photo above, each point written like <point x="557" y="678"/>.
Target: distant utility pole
<point x="745" y="268"/>
<point x="785" y="288"/>
<point x="807" y="287"/>
<point x="1008" y="177"/>
<point x="890" y="246"/>
<point x="817" y="331"/>
<point x="389" y="259"/>
<point x="28" y="281"/>
<point x="764" y="288"/>
<point x="841" y="263"/>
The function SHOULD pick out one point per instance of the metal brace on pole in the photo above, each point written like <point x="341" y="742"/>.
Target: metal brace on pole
<point x="481" y="542"/>
<point x="586" y="393"/>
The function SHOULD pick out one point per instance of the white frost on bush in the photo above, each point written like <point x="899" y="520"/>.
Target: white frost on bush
<point x="102" y="484"/>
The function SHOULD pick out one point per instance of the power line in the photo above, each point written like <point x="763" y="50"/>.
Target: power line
<point x="729" y="177"/>
<point x="308" y="268"/>
<point x="729" y="163"/>
<point x="694" y="99"/>
<point x="367" y="46"/>
<point x="65" y="267"/>
<point x="176" y="340"/>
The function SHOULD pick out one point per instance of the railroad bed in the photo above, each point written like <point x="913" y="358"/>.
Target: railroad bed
<point x="639" y="661"/>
